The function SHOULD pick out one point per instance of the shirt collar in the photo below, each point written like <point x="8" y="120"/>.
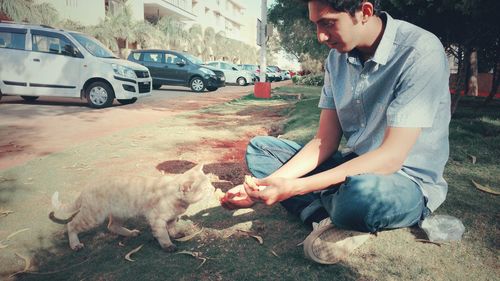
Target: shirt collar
<point x="384" y="47"/>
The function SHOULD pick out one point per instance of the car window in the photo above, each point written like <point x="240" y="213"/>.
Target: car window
<point x="225" y="66"/>
<point x="172" y="59"/>
<point x="153" y="57"/>
<point x="214" y="64"/>
<point x="55" y="44"/>
<point x="12" y="40"/>
<point x="92" y="45"/>
<point x="135" y="56"/>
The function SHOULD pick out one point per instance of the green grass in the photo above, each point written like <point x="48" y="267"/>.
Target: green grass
<point x="393" y="255"/>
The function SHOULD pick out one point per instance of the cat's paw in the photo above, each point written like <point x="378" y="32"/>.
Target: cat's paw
<point x="177" y="235"/>
<point x="134" y="233"/>
<point x="170" y="249"/>
<point x="77" y="247"/>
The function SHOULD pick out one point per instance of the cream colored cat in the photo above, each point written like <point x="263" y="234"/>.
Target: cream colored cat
<point x="161" y="201"/>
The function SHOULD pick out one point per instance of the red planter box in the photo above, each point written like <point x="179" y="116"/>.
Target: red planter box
<point x="262" y="90"/>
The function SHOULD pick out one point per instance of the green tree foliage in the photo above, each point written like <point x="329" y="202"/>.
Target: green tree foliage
<point x="29" y="11"/>
<point x="297" y="33"/>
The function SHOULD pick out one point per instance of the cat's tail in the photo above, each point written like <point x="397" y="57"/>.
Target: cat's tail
<point x="68" y="208"/>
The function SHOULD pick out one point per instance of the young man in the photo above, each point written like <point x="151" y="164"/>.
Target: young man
<point x="386" y="91"/>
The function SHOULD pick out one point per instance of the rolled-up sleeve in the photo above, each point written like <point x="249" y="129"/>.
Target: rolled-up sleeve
<point x="420" y="91"/>
<point x="326" y="99"/>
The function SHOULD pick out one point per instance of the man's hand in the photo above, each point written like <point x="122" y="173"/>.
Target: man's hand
<point x="236" y="198"/>
<point x="270" y="190"/>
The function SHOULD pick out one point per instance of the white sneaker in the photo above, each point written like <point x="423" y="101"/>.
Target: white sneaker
<point x="328" y="245"/>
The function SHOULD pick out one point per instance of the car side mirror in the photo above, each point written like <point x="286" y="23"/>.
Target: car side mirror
<point x="234" y="68"/>
<point x="181" y="63"/>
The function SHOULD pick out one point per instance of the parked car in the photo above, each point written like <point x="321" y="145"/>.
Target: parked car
<point x="233" y="73"/>
<point x="279" y="74"/>
<point x="270" y="74"/>
<point x="178" y="68"/>
<point x="286" y="75"/>
<point x="40" y="61"/>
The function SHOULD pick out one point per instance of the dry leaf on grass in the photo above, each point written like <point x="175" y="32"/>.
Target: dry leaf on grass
<point x="257" y="237"/>
<point x="27" y="265"/>
<point x="472" y="158"/>
<point x="5" y="213"/>
<point x="189" y="237"/>
<point x="16" y="233"/>
<point x="431" y="242"/>
<point x="127" y="256"/>
<point x="274" y="254"/>
<point x="486" y="189"/>
<point x="197" y="255"/>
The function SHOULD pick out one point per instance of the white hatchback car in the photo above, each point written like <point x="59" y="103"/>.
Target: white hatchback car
<point x="233" y="73"/>
<point x="39" y="60"/>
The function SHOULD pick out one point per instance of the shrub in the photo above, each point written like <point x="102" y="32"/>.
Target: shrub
<point x="310" y="80"/>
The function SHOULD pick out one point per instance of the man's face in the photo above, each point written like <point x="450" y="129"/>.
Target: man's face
<point x="337" y="30"/>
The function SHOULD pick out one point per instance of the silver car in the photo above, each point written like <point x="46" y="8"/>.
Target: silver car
<point x="233" y="73"/>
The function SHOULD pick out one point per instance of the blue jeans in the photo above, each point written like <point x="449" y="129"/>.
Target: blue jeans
<point x="365" y="202"/>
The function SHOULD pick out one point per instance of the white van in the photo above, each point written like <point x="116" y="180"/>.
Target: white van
<point x="37" y="60"/>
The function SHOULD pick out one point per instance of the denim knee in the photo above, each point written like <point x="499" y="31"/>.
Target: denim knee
<point x="266" y="154"/>
<point x="371" y="202"/>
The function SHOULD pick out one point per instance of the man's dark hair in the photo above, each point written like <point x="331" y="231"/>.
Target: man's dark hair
<point x="351" y="6"/>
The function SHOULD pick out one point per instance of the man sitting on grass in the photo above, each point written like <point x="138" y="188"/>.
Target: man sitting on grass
<point x="386" y="91"/>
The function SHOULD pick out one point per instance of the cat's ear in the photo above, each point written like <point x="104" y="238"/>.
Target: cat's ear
<point x="198" y="168"/>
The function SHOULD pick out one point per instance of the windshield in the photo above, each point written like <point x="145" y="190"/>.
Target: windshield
<point x="93" y="46"/>
<point x="193" y="59"/>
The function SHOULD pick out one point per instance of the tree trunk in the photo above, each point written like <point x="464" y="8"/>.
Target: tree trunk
<point x="472" y="87"/>
<point x="494" y="83"/>
<point x="463" y="69"/>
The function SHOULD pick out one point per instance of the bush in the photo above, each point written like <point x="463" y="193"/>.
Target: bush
<point x="310" y="80"/>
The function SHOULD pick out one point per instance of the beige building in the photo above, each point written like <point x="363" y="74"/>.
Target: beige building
<point x="236" y="18"/>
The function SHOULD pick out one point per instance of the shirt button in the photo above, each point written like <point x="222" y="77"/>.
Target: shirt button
<point x="363" y="125"/>
<point x="358" y="101"/>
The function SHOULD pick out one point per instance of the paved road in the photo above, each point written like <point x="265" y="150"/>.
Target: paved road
<point x="48" y="125"/>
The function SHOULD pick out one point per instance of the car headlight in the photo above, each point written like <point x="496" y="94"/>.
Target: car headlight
<point x="207" y="71"/>
<point x="123" y="71"/>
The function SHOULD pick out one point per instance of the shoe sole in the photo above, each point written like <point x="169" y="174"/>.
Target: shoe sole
<point x="346" y="241"/>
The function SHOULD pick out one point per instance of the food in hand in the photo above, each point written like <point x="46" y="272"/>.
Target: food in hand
<point x="251" y="183"/>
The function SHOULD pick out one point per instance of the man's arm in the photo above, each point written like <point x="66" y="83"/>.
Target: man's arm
<point x="317" y="150"/>
<point x="386" y="159"/>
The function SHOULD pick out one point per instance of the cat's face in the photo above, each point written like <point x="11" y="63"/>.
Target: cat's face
<point x="195" y="185"/>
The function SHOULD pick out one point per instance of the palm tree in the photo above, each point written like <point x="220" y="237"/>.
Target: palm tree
<point x="209" y="44"/>
<point x="195" y="41"/>
<point x="174" y="31"/>
<point x="29" y="11"/>
<point x="17" y="10"/>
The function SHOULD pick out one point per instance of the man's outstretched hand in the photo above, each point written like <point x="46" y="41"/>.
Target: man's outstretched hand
<point x="236" y="198"/>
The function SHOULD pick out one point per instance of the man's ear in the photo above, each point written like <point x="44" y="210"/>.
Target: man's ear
<point x="367" y="11"/>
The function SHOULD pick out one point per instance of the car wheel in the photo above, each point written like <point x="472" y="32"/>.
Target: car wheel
<point x="99" y="95"/>
<point x="127" y="101"/>
<point x="241" y="81"/>
<point x="197" y="84"/>
<point x="29" y="98"/>
<point x="211" y="89"/>
<point x="156" y="86"/>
